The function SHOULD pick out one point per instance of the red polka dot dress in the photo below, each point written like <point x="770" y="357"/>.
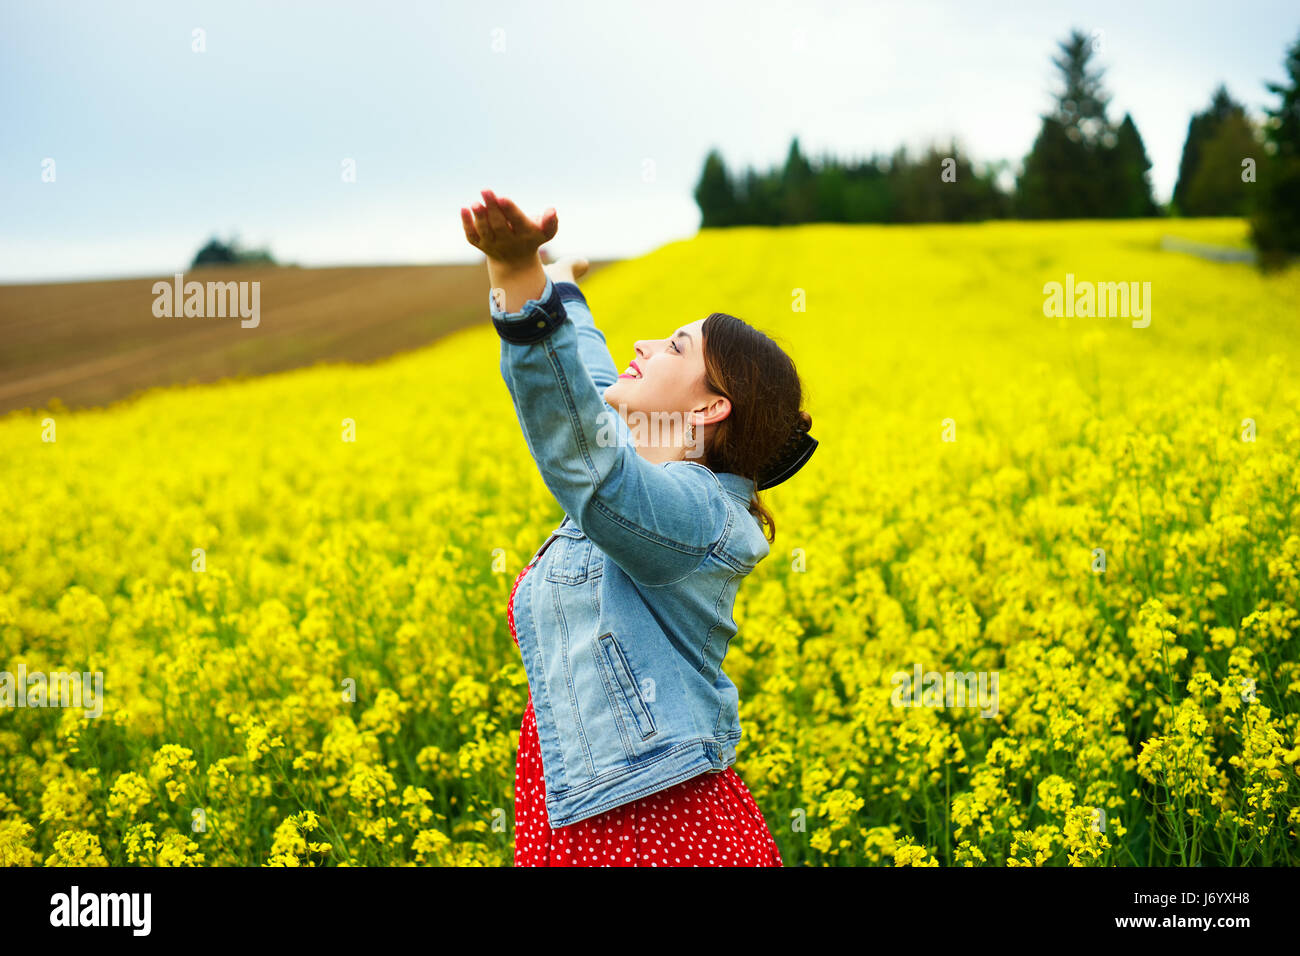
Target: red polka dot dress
<point x="708" y="820"/>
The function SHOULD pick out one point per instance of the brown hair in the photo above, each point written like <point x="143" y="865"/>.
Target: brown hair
<point x="749" y="368"/>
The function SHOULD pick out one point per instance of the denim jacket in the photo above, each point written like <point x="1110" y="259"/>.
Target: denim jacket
<point x="625" y="618"/>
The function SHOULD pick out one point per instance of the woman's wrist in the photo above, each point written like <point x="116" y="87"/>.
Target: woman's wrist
<point x="518" y="280"/>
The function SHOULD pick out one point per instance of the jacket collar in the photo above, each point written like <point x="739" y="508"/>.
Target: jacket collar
<point x="737" y="485"/>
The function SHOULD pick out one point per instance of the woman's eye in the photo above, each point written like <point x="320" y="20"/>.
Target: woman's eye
<point x="675" y="348"/>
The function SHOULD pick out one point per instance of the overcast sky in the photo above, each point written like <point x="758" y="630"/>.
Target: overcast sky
<point x="603" y="110"/>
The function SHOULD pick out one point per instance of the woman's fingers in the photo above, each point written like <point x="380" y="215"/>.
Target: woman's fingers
<point x="515" y="216"/>
<point x="550" y="223"/>
<point x="482" y="224"/>
<point x="467" y="221"/>
<point x="547" y="225"/>
<point x="494" y="214"/>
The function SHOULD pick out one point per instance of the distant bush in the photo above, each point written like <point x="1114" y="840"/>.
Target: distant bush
<point x="217" y="253"/>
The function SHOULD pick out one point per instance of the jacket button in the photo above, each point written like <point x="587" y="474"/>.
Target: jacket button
<point x="541" y="324"/>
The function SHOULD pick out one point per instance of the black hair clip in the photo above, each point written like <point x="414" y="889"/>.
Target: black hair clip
<point x="790" y="463"/>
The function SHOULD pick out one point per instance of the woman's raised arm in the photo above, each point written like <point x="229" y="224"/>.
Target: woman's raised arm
<point x="656" y="522"/>
<point x="516" y="275"/>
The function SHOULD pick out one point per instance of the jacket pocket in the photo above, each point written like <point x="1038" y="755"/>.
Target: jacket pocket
<point x="569" y="556"/>
<point x="627" y="685"/>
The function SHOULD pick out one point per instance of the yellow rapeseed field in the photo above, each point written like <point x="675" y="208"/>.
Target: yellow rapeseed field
<point x="1106" y="517"/>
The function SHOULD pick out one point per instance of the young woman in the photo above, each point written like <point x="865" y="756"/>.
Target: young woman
<point x="623" y="616"/>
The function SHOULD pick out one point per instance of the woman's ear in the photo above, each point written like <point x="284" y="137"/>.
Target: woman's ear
<point x="714" y="412"/>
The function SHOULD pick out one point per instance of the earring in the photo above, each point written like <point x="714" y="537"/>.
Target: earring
<point x="690" y="434"/>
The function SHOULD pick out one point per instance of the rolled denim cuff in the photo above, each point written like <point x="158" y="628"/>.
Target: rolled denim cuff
<point x="535" y="320"/>
<point x="569" y="292"/>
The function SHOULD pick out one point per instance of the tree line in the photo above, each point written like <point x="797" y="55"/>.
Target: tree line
<point x="1081" y="165"/>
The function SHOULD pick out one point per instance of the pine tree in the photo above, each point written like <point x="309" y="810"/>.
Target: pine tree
<point x="1064" y="174"/>
<point x="1131" y="171"/>
<point x="1275" y="228"/>
<point x="798" y="188"/>
<point x="1081" y="106"/>
<point x="1217" y="188"/>
<point x="716" y="195"/>
<point x="1201" y="129"/>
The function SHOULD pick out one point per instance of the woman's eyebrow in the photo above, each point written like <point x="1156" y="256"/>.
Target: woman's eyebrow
<point x="687" y="334"/>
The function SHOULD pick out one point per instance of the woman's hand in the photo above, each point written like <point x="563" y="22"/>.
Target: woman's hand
<point x="510" y="241"/>
<point x="500" y="230"/>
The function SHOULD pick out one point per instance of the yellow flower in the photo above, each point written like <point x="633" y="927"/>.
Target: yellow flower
<point x="909" y="854"/>
<point x="130" y="794"/>
<point x="76" y="848"/>
<point x="15" y="835"/>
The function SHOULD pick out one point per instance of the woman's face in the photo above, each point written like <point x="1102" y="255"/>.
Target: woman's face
<point x="667" y="375"/>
